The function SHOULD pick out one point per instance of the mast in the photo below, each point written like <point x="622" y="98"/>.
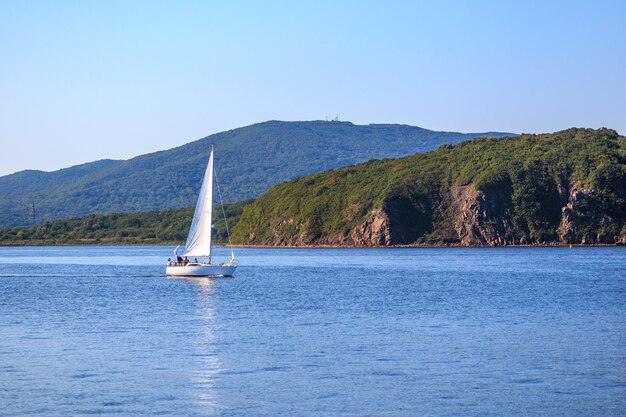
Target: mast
<point x="208" y="206"/>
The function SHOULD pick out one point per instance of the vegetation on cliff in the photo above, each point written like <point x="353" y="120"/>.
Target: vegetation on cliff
<point x="566" y="187"/>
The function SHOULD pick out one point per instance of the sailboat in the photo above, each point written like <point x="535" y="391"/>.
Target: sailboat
<point x="199" y="239"/>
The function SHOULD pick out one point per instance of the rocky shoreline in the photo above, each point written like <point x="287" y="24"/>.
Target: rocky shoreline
<point x="321" y="246"/>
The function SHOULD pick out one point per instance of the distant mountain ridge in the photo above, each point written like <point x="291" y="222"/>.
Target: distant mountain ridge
<point x="249" y="160"/>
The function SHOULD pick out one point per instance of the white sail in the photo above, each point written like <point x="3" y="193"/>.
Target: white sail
<point x="199" y="238"/>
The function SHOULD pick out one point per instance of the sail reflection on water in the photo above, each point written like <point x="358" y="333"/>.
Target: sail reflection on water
<point x="208" y="367"/>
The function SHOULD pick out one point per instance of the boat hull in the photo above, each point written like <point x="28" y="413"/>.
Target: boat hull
<point x="201" y="270"/>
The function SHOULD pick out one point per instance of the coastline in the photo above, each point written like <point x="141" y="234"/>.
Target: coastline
<point x="410" y="246"/>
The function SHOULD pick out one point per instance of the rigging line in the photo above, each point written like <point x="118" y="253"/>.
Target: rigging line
<point x="219" y="192"/>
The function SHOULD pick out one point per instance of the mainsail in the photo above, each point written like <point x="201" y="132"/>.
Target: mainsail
<point x="199" y="238"/>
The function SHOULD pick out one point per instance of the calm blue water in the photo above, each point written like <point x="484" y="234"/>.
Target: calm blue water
<point x="308" y="332"/>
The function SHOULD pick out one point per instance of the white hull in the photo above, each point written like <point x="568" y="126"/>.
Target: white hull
<point x="201" y="270"/>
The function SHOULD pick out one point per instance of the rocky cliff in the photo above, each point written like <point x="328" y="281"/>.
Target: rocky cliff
<point x="567" y="187"/>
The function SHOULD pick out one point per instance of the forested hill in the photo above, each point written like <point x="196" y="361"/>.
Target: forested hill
<point x="249" y="160"/>
<point x="566" y="187"/>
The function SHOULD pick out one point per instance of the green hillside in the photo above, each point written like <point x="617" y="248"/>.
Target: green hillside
<point x="566" y="187"/>
<point x="154" y="227"/>
<point x="249" y="160"/>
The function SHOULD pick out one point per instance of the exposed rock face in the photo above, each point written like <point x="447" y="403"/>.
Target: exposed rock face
<point x="471" y="217"/>
<point x="567" y="229"/>
<point x="573" y="213"/>
<point x="479" y="218"/>
<point x="401" y="220"/>
<point x="375" y="231"/>
<point x="463" y="215"/>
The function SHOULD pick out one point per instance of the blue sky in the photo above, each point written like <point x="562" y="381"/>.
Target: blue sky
<point x="86" y="80"/>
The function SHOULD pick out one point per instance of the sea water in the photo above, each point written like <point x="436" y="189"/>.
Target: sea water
<point x="314" y="332"/>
